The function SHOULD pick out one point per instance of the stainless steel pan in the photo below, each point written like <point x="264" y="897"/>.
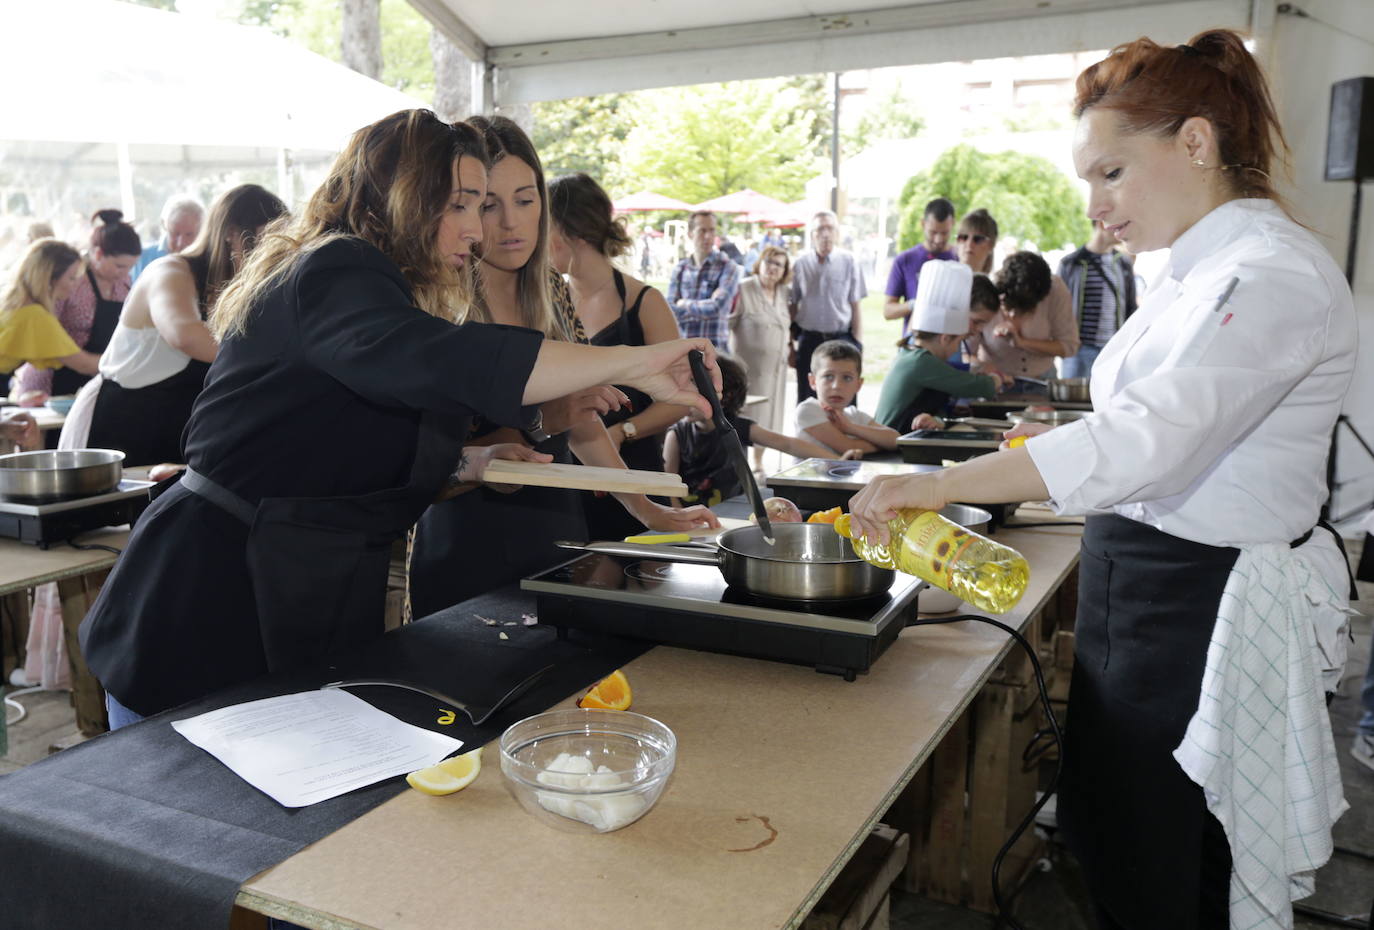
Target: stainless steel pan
<point x="808" y="562"/>
<point x="59" y="475"/>
<point x="1065" y="390"/>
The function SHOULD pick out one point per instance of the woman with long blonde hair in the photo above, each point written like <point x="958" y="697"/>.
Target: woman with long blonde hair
<point x="48" y="273"/>
<point x="517" y="286"/>
<point x="338" y="335"/>
<point x="89" y="313"/>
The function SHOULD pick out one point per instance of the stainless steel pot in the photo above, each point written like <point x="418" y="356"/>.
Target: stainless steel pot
<point x="59" y="475"/>
<point x="1069" y="390"/>
<point x="810" y="562"/>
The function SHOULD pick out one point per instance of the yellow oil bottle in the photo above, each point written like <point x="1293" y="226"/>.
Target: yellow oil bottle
<point x="986" y="574"/>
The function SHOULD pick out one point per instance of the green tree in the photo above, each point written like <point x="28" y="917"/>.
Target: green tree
<point x="583" y="134"/>
<point x="699" y="142"/>
<point x="1031" y="199"/>
<point x="891" y="116"/>
<point x="316" y="24"/>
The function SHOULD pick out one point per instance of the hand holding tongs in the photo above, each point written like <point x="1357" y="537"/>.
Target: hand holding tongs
<point x="477" y="714"/>
<point x="733" y="448"/>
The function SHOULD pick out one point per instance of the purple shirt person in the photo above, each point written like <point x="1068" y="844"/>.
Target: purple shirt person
<point x="905" y="276"/>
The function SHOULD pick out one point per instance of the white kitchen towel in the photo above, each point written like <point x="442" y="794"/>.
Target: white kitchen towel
<point x="1260" y="744"/>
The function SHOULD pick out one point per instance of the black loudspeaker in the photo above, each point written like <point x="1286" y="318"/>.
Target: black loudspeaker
<point x="1350" y="135"/>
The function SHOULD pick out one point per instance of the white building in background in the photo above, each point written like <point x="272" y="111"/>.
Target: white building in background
<point x="995" y="105"/>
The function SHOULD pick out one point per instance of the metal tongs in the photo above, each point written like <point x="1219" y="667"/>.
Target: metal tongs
<point x="476" y="713"/>
<point x="733" y="448"/>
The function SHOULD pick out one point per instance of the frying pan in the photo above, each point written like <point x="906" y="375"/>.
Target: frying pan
<point x="59" y="475"/>
<point x="810" y="561"/>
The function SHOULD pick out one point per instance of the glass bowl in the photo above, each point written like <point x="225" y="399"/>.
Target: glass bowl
<point x="587" y="771"/>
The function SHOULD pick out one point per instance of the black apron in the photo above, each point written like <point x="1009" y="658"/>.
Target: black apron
<point x="484" y="539"/>
<point x="607" y="518"/>
<point x="69" y="381"/>
<point x="319" y="565"/>
<point x="1152" y="854"/>
<point x="146" y="423"/>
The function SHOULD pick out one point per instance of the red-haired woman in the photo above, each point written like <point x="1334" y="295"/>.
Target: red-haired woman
<point x="1200" y="779"/>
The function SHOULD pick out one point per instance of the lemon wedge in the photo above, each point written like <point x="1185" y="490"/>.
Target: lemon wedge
<point x="448" y="776"/>
<point x="1016" y="442"/>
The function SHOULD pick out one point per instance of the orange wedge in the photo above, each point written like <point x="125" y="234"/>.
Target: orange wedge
<point x="825" y="516"/>
<point x="610" y="693"/>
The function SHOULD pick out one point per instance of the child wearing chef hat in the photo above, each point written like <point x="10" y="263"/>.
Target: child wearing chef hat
<point x="922" y="380"/>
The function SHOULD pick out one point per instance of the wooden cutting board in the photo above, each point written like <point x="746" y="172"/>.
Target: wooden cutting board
<point x="584" y="478"/>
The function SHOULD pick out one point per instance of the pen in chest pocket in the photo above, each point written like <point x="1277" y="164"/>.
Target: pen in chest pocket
<point x="1225" y="296"/>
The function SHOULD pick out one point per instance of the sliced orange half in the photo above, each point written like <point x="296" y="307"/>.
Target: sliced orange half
<point x="610" y="693"/>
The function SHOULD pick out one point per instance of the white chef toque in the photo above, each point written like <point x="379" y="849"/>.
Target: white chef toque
<point x="942" y="298"/>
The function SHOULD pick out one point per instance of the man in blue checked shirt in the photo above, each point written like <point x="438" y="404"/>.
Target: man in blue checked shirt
<point x="704" y="284"/>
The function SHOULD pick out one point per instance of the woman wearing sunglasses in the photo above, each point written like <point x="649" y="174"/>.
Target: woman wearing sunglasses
<point x="976" y="240"/>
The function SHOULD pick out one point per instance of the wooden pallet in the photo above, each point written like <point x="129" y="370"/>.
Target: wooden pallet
<point x="964" y="803"/>
<point x="973" y="792"/>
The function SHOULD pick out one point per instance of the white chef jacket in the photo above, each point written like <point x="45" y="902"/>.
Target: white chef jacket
<point x="1215" y="426"/>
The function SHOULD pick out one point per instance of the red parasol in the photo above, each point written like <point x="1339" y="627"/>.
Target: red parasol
<point x="646" y="201"/>
<point x="745" y="201"/>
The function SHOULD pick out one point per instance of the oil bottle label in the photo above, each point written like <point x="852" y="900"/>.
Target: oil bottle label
<point x="936" y="544"/>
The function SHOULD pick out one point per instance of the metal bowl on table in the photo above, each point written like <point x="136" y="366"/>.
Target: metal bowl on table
<point x="1069" y="390"/>
<point x="59" y="474"/>
<point x="1047" y="417"/>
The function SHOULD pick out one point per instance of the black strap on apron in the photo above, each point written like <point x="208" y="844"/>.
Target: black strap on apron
<point x="219" y="495"/>
<point x="1340" y="544"/>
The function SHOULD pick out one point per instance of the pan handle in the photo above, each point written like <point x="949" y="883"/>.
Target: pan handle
<point x="647" y="551"/>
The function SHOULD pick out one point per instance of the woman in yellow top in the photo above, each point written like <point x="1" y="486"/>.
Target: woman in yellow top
<point x="28" y="330"/>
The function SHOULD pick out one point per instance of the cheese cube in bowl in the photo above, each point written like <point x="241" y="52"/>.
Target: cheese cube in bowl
<point x="587" y="771"/>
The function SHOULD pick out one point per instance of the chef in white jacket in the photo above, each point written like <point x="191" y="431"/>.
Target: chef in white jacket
<point x="1200" y="781"/>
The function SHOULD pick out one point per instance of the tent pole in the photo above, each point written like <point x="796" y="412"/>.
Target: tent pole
<point x="126" y="181"/>
<point x="835" y="149"/>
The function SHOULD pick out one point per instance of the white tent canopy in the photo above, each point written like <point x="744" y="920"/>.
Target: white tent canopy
<point x="548" y="49"/>
<point x="104" y="71"/>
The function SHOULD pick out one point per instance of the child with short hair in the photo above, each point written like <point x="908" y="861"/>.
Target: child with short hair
<point x="922" y="380"/>
<point x="830" y="418"/>
<point x="693" y="450"/>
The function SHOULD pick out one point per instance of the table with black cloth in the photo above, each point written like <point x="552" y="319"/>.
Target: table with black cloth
<point x="139" y="828"/>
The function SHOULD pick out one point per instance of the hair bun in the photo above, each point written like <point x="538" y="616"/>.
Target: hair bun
<point x="108" y="217"/>
<point x="1221" y="47"/>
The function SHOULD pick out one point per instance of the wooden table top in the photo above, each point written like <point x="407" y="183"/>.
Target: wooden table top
<point x="24" y="566"/>
<point x="781" y="774"/>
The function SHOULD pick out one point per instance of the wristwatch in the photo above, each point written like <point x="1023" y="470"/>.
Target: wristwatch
<point x="534" y="433"/>
<point x="629" y="429"/>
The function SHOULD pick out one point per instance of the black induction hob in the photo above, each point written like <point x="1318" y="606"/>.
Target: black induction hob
<point x="678" y="604"/>
<point x="47" y="524"/>
<point x="819" y="484"/>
